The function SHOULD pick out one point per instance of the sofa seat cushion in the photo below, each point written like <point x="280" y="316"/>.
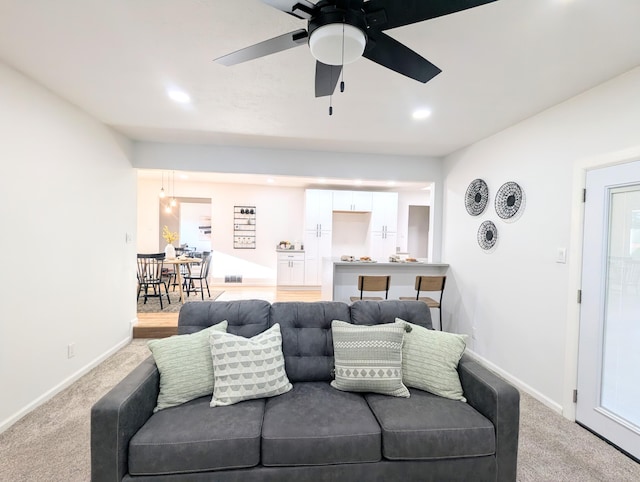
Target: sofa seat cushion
<point x="314" y="424"/>
<point x="427" y="426"/>
<point x="194" y="437"/>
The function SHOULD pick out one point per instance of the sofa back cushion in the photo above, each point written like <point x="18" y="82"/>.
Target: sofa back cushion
<point x="376" y="312"/>
<point x="307" y="344"/>
<point x="245" y="317"/>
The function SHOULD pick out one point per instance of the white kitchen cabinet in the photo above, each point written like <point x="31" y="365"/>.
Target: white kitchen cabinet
<point x="317" y="233"/>
<point x="291" y="269"/>
<point x="384" y="225"/>
<point x="317" y="245"/>
<point x="318" y="213"/>
<point x="384" y="212"/>
<point x="352" y="201"/>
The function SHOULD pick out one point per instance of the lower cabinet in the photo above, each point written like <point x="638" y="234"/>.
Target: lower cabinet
<point x="290" y="269"/>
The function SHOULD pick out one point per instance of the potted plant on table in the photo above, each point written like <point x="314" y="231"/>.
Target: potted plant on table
<point x="169" y="237"/>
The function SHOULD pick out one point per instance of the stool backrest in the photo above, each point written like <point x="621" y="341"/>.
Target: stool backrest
<point x="430" y="283"/>
<point x="374" y="283"/>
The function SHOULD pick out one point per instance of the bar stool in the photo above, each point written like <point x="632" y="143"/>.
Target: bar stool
<point x="372" y="283"/>
<point x="429" y="284"/>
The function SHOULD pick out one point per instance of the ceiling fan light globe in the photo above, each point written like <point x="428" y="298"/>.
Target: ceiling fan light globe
<point x="326" y="43"/>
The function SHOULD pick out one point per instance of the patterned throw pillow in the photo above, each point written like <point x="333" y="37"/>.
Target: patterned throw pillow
<point x="247" y="368"/>
<point x="430" y="361"/>
<point x="184" y="363"/>
<point x="368" y="358"/>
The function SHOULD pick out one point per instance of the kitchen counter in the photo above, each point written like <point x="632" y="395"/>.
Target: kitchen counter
<point x="340" y="278"/>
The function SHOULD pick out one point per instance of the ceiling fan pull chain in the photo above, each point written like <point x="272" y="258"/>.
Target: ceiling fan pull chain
<point x="342" y="62"/>
<point x="330" y="105"/>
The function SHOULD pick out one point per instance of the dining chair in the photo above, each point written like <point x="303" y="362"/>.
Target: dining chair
<point x="372" y="283"/>
<point x="434" y="284"/>
<point x="150" y="277"/>
<point x="201" y="276"/>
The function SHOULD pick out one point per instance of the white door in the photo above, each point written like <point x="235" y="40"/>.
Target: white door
<point x="609" y="346"/>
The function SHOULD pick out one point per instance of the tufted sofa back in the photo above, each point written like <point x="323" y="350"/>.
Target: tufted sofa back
<point x="376" y="312"/>
<point x="307" y="343"/>
<point x="246" y="317"/>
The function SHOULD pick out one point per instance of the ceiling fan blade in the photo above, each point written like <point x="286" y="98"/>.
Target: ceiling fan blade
<point x="386" y="14"/>
<point x="390" y="53"/>
<point x="271" y="46"/>
<point x="349" y="4"/>
<point x="326" y="78"/>
<point x="297" y="8"/>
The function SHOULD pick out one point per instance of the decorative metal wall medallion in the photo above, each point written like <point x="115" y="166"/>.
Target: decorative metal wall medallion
<point x="509" y="200"/>
<point x="477" y="197"/>
<point x="487" y="235"/>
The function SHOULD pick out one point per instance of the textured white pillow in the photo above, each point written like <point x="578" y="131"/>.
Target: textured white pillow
<point x="368" y="358"/>
<point x="247" y="368"/>
<point x="430" y="361"/>
<point x="184" y="363"/>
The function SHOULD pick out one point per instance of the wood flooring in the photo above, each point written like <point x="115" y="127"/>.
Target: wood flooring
<point x="160" y="325"/>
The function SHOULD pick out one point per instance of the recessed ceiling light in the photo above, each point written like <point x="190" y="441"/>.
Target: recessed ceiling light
<point x="178" y="96"/>
<point x="391" y="183"/>
<point x="357" y="182"/>
<point x="183" y="176"/>
<point x="420" y="114"/>
<point x="271" y="181"/>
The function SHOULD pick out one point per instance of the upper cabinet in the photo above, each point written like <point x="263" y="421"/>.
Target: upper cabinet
<point x="352" y="201"/>
<point x="384" y="212"/>
<point x="318" y="211"/>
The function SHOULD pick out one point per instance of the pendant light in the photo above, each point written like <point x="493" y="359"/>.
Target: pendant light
<point x="162" y="193"/>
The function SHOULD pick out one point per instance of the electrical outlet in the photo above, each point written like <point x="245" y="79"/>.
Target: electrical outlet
<point x="71" y="350"/>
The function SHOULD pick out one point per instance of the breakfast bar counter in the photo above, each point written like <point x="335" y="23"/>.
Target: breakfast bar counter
<point x="340" y="278"/>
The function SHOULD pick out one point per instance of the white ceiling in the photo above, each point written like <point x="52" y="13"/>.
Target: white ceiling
<point x="502" y="62"/>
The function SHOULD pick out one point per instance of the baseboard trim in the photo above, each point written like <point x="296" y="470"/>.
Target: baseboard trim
<point x="556" y="407"/>
<point x="5" y="424"/>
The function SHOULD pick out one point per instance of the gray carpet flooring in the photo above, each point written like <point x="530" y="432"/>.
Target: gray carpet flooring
<point x="52" y="442"/>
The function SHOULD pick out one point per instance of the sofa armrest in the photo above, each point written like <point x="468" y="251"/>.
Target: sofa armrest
<point x="117" y="416"/>
<point x="499" y="401"/>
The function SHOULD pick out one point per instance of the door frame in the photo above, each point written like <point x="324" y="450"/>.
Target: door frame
<point x="575" y="266"/>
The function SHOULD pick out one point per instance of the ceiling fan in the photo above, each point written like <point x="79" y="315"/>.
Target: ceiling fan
<point x="341" y="31"/>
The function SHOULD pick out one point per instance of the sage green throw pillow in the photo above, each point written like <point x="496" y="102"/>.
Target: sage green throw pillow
<point x="185" y="366"/>
<point x="430" y="361"/>
<point x="368" y="358"/>
<point x="247" y="368"/>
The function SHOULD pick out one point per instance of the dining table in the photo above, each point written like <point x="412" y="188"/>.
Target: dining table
<point x="177" y="262"/>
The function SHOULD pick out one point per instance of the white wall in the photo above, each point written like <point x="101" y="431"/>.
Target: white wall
<point x="66" y="194"/>
<point x="514" y="302"/>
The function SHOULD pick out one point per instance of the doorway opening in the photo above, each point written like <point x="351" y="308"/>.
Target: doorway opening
<point x="191" y="219"/>
<point x="418" y="231"/>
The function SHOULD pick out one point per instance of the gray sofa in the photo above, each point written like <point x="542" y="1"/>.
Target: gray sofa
<point x="313" y="432"/>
